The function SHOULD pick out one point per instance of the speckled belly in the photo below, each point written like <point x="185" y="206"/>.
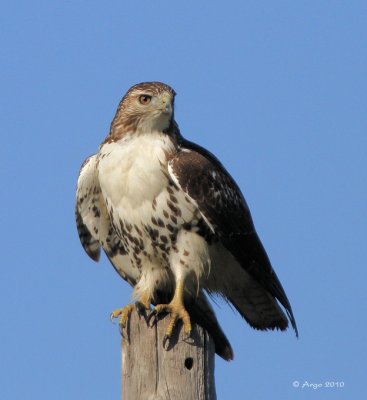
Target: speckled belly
<point x="149" y="232"/>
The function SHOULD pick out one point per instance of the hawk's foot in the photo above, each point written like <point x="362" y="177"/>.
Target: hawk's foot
<point x="123" y="313"/>
<point x="177" y="311"/>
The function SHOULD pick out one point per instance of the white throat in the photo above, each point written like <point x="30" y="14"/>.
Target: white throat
<point x="154" y="123"/>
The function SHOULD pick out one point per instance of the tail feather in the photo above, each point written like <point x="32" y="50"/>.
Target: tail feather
<point x="202" y="313"/>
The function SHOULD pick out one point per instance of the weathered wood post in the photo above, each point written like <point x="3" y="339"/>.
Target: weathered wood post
<point x="183" y="370"/>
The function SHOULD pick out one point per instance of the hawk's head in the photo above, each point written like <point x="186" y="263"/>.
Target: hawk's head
<point x="146" y="107"/>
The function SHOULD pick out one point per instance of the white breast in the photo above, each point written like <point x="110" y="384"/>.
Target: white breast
<point x="131" y="171"/>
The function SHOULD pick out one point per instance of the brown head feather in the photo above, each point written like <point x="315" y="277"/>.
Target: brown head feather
<point x="127" y="117"/>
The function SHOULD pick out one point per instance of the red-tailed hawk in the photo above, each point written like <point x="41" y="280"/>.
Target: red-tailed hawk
<point x="173" y="222"/>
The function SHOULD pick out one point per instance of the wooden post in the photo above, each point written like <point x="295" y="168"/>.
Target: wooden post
<point x="183" y="370"/>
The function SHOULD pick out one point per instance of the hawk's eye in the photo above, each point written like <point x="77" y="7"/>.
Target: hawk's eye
<point x="145" y="99"/>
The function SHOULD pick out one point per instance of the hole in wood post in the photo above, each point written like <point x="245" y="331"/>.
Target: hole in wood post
<point x="189" y="362"/>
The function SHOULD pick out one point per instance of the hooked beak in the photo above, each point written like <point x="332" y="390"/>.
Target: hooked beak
<point x="166" y="104"/>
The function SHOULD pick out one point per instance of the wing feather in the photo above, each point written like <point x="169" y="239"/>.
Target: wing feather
<point x="94" y="225"/>
<point x="204" y="179"/>
<point x="87" y="212"/>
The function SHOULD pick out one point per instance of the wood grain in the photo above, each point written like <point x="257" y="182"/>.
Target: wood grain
<point x="182" y="370"/>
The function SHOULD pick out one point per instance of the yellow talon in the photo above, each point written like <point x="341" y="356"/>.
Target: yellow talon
<point x="177" y="311"/>
<point x="123" y="314"/>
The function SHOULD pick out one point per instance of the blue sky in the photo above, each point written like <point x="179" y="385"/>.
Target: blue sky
<point x="276" y="89"/>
